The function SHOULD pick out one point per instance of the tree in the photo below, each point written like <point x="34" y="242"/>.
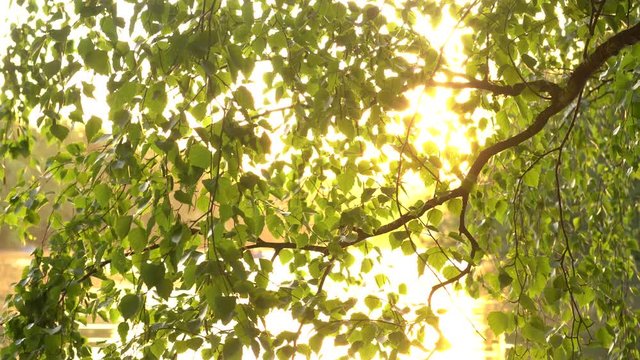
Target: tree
<point x="550" y="199"/>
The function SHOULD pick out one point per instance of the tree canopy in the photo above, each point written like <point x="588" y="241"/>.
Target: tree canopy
<point x="173" y="207"/>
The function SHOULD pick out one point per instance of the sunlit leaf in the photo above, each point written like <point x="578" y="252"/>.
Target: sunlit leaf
<point x="199" y="156"/>
<point x="532" y="177"/>
<point x="498" y="321"/>
<point x="92" y="127"/>
<point x="102" y="194"/>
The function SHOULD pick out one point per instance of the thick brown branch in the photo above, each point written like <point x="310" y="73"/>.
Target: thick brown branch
<point x="438" y="200"/>
<point x="600" y="55"/>
<point x="560" y="100"/>
<point x="575" y="84"/>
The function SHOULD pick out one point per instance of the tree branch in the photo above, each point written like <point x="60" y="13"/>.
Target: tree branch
<point x="561" y="98"/>
<point x="512" y="90"/>
<point x="600" y="55"/>
<point x="462" y="227"/>
<point x="283" y="245"/>
<point x="575" y="84"/>
<point x="93" y="269"/>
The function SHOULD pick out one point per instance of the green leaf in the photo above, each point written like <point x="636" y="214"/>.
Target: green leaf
<point x="103" y="194"/>
<point x="407" y="248"/>
<point x="346" y="127"/>
<point x="236" y="59"/>
<point x="165" y="288"/>
<point x="454" y="206"/>
<point x="98" y="60"/>
<point x="123" y="95"/>
<point x="51" y="68"/>
<point x="92" y="128"/>
<point x="436" y="259"/>
<point x="137" y="239"/>
<point x="531" y="62"/>
<point x="367" y="194"/>
<point x="504" y="279"/>
<point x="450" y="271"/>
<point x="123" y="330"/>
<point x="243" y="97"/>
<point x="381" y="280"/>
<point x="366" y="266"/>
<point x="400" y="341"/>
<point x="129" y="305"/>
<point x="501" y="210"/>
<point x="232" y="349"/>
<point x="183" y="197"/>
<point x="122" y="225"/>
<point x="224" y="307"/>
<point x="510" y="74"/>
<point x="346" y="181"/>
<point x="119" y="261"/>
<point x="199" y="156"/>
<point x="152" y="274"/>
<point x="59" y="131"/>
<point x="315" y="342"/>
<point x="121" y="118"/>
<point x="156" y="98"/>
<point x="368" y="351"/>
<point x="534" y="333"/>
<point x="198" y="112"/>
<point x="532" y="177"/>
<point x="371" y="12"/>
<point x="604" y="336"/>
<point x="397" y="237"/>
<point x="400" y="103"/>
<point x="402" y="289"/>
<point x="108" y="27"/>
<point x="556" y="340"/>
<point x="52" y="344"/>
<point x="393" y="100"/>
<point x="372" y="302"/>
<point x="434" y="216"/>
<point x="60" y="35"/>
<point x="498" y="322"/>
